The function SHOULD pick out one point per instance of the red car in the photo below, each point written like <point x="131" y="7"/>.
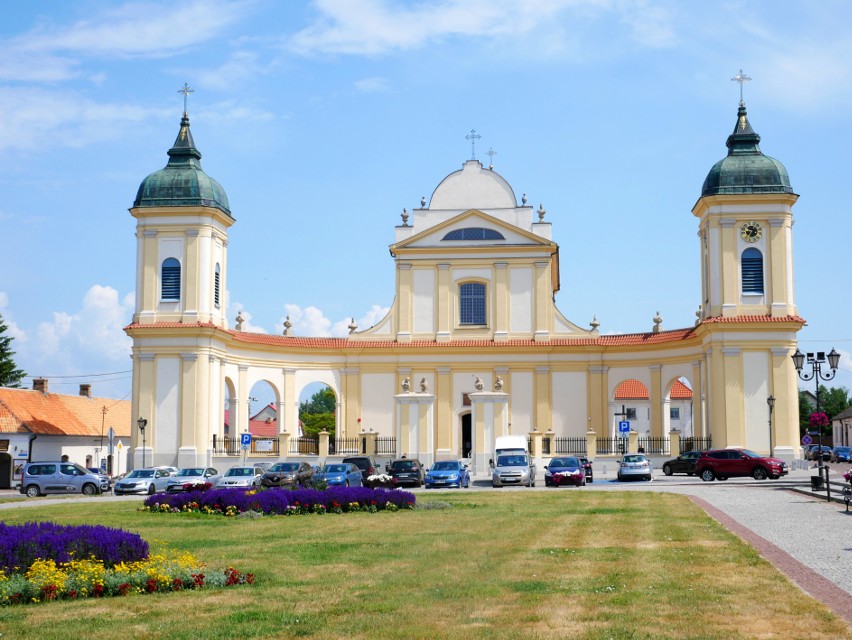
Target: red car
<point x="738" y="463"/>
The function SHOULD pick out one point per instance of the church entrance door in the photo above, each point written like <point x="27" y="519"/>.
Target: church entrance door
<point x="5" y="471"/>
<point x="466" y="439"/>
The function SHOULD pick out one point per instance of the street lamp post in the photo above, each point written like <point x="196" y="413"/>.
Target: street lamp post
<point x="771" y="402"/>
<point x="142" y="423"/>
<point x="816" y="360"/>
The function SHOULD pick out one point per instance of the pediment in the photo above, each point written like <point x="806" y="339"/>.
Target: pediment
<point x="460" y="228"/>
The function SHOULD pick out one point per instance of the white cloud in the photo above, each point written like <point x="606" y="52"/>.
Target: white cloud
<point x="312" y="322"/>
<point x="372" y="85"/>
<point x="63" y="117"/>
<point x="236" y="308"/>
<point x="369" y="27"/>
<point x="651" y="24"/>
<point x="133" y="29"/>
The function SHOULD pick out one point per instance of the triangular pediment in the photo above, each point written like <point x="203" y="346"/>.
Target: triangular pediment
<point x="461" y="232"/>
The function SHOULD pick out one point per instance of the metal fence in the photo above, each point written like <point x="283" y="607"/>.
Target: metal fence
<point x="657" y="446"/>
<point x="611" y="446"/>
<point x="306" y="445"/>
<point x="229" y="446"/>
<point x="576" y="446"/>
<point x="386" y="446"/>
<point x="347" y="446"/>
<point x="696" y="444"/>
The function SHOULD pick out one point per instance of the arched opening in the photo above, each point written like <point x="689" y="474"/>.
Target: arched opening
<point x="631" y="403"/>
<point x="318" y="412"/>
<point x="678" y="412"/>
<point x="262" y="407"/>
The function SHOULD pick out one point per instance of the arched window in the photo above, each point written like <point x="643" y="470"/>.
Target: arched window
<point x="170" y="280"/>
<point x="472" y="303"/>
<point x="216" y="282"/>
<point x="752" y="267"/>
<point x="473" y="233"/>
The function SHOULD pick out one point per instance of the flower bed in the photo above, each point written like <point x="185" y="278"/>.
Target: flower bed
<point x="232" y="502"/>
<point x="66" y="575"/>
<point x="22" y="545"/>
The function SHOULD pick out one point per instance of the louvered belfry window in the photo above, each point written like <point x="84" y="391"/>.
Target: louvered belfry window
<point x="170" y="279"/>
<point x="752" y="266"/>
<point x="472" y="303"/>
<point x="216" y="282"/>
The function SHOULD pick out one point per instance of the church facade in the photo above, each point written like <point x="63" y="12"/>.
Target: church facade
<point x="473" y="346"/>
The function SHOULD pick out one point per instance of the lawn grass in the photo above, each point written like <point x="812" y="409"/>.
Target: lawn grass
<point x="512" y="564"/>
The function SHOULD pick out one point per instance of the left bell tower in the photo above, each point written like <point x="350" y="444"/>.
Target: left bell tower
<point x="182" y="220"/>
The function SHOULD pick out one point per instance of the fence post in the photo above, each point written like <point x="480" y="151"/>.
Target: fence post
<point x="633" y="442"/>
<point x="370" y="437"/>
<point x="674" y="443"/>
<point x="323" y="444"/>
<point x="591" y="444"/>
<point x="283" y="444"/>
<point x="547" y="443"/>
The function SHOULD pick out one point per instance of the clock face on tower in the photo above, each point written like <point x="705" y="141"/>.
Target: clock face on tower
<point x="751" y="231"/>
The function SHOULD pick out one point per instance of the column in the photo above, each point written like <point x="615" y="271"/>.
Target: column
<point x="404" y="303"/>
<point x="351" y="380"/>
<point x="444" y="303"/>
<point x="490" y="417"/>
<point x="656" y="398"/>
<point x="445" y="424"/>
<point x="697" y="394"/>
<point x="543" y="414"/>
<point x="729" y="271"/>
<point x="542" y="296"/>
<point x="191" y="275"/>
<point x="288" y="414"/>
<point x="501" y="302"/>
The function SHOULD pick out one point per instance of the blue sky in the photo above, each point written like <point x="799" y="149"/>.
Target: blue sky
<point x="324" y="119"/>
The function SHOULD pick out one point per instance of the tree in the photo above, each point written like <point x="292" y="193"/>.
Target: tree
<point x="318" y="413"/>
<point x="832" y="400"/>
<point x="10" y="375"/>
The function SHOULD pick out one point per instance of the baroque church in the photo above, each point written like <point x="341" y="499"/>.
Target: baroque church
<point x="474" y="346"/>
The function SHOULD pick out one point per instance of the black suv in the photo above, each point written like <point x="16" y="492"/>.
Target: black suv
<point x="407" y="471"/>
<point x="366" y="464"/>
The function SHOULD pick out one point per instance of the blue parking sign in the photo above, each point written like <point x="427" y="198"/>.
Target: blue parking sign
<point x="624" y="426"/>
<point x="245" y="440"/>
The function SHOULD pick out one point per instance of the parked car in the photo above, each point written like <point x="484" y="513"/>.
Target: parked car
<point x="513" y="469"/>
<point x="841" y="454"/>
<point x="148" y="481"/>
<point x="366" y="464"/>
<point x="635" y="465"/>
<point x="340" y="474"/>
<point x="39" y="478"/>
<point x="191" y="478"/>
<point x="241" y="476"/>
<point x="564" y="471"/>
<point x="814" y="452"/>
<point x="587" y="468"/>
<point x="732" y="463"/>
<point x="106" y="483"/>
<point x="288" y="474"/>
<point x="684" y="463"/>
<point x="447" y="473"/>
<point x="406" y="471"/>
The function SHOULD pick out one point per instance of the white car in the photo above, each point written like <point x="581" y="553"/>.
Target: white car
<point x="635" y="465"/>
<point x="148" y="481"/>
<point x="241" y="476"/>
<point x="185" y="479"/>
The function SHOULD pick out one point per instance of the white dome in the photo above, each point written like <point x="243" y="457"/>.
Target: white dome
<point x="473" y="188"/>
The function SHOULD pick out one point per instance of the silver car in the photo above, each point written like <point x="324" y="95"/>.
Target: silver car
<point x="241" y="476"/>
<point x="58" y="477"/>
<point x="635" y="465"/>
<point x="148" y="481"/>
<point x="187" y="479"/>
<point x="513" y="469"/>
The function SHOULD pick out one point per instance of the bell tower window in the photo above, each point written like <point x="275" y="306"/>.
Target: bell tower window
<point x="472" y="303"/>
<point x="170" y="280"/>
<point x="752" y="271"/>
<point x="216" y="282"/>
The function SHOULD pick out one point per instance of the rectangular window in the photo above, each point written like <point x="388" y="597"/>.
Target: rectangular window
<point x="631" y="413"/>
<point x="472" y="303"/>
<point x="216" y="277"/>
<point x="674" y="413"/>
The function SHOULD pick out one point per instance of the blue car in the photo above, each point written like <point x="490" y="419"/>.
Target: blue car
<point x="842" y="454"/>
<point x="340" y="475"/>
<point x="448" y="473"/>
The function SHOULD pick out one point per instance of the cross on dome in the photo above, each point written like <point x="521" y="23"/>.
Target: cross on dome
<point x="742" y="79"/>
<point x="473" y="137"/>
<point x="185" y="90"/>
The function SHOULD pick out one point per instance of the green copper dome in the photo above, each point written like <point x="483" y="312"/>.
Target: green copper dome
<point x="746" y="169"/>
<point x="182" y="183"/>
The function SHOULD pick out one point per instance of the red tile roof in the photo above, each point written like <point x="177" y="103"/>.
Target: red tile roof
<point x="27" y="411"/>
<point x="634" y="390"/>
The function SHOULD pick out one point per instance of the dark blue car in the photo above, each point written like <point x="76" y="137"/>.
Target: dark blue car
<point x="448" y="473"/>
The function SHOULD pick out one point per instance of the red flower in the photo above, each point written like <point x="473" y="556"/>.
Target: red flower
<point x="198" y="579"/>
<point x="123" y="588"/>
<point x="177" y="584"/>
<point x="98" y="590"/>
<point x="151" y="585"/>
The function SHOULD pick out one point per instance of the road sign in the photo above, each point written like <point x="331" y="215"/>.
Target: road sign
<point x="624" y="426"/>
<point x="806" y="440"/>
<point x="245" y="440"/>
